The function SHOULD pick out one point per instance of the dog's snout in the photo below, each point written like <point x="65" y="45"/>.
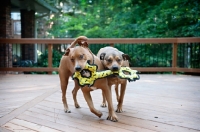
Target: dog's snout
<point x="78" y="68"/>
<point x="115" y="68"/>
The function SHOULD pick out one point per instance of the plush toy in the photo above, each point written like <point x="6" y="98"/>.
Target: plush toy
<point x="89" y="74"/>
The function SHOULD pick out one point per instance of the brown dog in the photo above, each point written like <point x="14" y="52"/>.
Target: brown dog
<point x="75" y="59"/>
<point x="113" y="59"/>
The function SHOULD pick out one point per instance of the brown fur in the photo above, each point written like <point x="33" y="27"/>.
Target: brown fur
<point x="75" y="59"/>
<point x="113" y="59"/>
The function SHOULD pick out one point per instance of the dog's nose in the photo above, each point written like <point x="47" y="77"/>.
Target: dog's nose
<point x="77" y="68"/>
<point x="115" y="68"/>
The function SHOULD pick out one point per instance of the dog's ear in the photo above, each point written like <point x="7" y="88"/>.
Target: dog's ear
<point x="102" y="56"/>
<point x="67" y="52"/>
<point x="126" y="57"/>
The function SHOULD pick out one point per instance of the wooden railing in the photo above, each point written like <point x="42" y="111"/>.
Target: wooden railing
<point x="111" y="41"/>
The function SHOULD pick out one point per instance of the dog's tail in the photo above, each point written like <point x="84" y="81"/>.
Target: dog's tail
<point x="78" y="40"/>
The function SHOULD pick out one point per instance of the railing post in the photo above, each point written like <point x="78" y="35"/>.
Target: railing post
<point x="174" y="57"/>
<point x="112" y="45"/>
<point x="50" y="47"/>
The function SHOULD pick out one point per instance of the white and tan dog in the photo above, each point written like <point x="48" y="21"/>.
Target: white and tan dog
<point x="75" y="59"/>
<point x="113" y="59"/>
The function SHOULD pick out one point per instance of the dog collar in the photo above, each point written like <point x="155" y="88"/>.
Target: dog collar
<point x="89" y="74"/>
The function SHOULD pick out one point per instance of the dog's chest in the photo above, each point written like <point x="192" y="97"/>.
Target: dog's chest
<point x="115" y="80"/>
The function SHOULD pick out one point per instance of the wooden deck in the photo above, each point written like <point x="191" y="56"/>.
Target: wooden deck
<point x="164" y="103"/>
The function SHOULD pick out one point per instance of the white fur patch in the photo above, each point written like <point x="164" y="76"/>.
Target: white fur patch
<point x="93" y="88"/>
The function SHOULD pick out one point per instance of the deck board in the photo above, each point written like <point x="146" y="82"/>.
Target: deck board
<point x="154" y="103"/>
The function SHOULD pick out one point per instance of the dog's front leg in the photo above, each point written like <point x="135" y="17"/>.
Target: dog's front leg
<point x="74" y="93"/>
<point x="88" y="98"/>
<point x="107" y="92"/>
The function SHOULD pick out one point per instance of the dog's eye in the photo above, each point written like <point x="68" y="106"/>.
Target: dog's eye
<point x="81" y="57"/>
<point x="119" y="60"/>
<point x="109" y="60"/>
<point x="72" y="60"/>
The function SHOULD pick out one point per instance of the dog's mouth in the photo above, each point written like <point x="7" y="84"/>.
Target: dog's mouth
<point x="78" y="68"/>
<point x="115" y="68"/>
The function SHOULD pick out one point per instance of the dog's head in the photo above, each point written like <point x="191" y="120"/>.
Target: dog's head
<point x="113" y="60"/>
<point x="79" y="55"/>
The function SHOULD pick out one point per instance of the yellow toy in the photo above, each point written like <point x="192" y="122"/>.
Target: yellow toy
<point x="89" y="74"/>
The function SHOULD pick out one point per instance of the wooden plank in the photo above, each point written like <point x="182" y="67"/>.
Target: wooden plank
<point x="18" y="111"/>
<point x="77" y="120"/>
<point x="129" y="120"/>
<point x="102" y="40"/>
<point x="131" y="40"/>
<point x="174" y="56"/>
<point x="36" y="40"/>
<point x="166" y="69"/>
<point x="112" y="44"/>
<point x="140" y="69"/>
<point x="32" y="126"/>
<point x="153" y="69"/>
<point x="151" y="94"/>
<point x="48" y="123"/>
<point x="174" y="84"/>
<point x="39" y="69"/>
<point x="50" y="57"/>
<point x="71" y="122"/>
<point x="191" y="70"/>
<point x="4" y="130"/>
<point x="154" y="103"/>
<point x="16" y="128"/>
<point x="189" y="40"/>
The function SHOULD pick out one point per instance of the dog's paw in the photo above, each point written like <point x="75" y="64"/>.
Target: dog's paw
<point x="67" y="111"/>
<point x="99" y="114"/>
<point x="119" y="110"/>
<point x="103" y="105"/>
<point x="112" y="118"/>
<point x="77" y="105"/>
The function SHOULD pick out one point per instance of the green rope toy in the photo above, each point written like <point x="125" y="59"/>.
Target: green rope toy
<point x="89" y="74"/>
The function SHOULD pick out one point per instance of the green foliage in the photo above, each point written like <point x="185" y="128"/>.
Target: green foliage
<point x="133" y="19"/>
<point x="43" y="60"/>
<point x="129" y="19"/>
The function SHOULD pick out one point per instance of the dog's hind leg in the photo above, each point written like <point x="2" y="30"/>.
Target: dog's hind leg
<point x="87" y="96"/>
<point x="121" y="98"/>
<point x="64" y="99"/>
<point x="74" y="93"/>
